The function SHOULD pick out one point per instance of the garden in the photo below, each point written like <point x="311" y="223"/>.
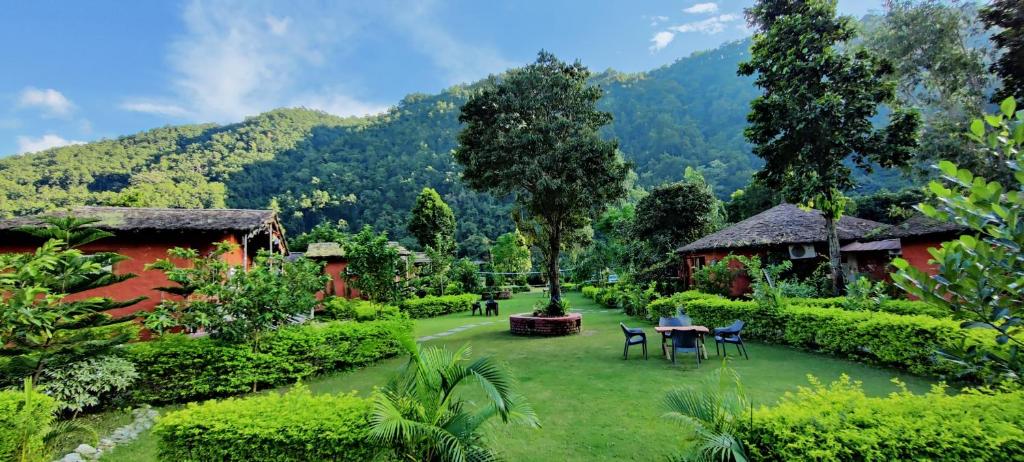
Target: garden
<point x="433" y="356"/>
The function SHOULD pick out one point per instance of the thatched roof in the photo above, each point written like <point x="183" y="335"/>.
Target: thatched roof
<point x="781" y="225"/>
<point x="132" y="219"/>
<point x="922" y="226"/>
<point x="324" y="250"/>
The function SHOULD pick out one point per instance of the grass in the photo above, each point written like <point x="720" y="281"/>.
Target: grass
<point x="593" y="405"/>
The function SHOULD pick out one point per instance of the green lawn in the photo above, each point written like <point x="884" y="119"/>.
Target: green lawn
<point x="592" y="404"/>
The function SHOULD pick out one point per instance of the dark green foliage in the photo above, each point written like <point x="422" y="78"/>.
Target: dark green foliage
<point x="373" y="265"/>
<point x="906" y="342"/>
<point x="887" y="207"/>
<point x="323" y="232"/>
<point x="465" y="273"/>
<point x="1005" y="18"/>
<point x="751" y="200"/>
<point x="671" y="216"/>
<point x="533" y="135"/>
<point x="294" y="427"/>
<point x="428" y="307"/>
<point x="841" y="423"/>
<point x="177" y="368"/>
<point x="818" y="106"/>
<point x="432" y="221"/>
<point x="359" y="310"/>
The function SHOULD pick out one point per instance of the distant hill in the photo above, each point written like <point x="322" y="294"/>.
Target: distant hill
<point x="314" y="166"/>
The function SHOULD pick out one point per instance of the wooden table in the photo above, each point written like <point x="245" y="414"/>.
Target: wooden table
<point x="698" y="329"/>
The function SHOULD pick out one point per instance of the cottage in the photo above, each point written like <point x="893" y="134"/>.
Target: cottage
<point x="332" y="254"/>
<point x="785" y="231"/>
<point x="918" y="234"/>
<point x="146" y="234"/>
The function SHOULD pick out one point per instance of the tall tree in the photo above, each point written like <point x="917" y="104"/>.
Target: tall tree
<point x="1006" y="19"/>
<point x="511" y="254"/>
<point x="670" y="216"/>
<point x="816" y="112"/>
<point x="432" y="220"/>
<point x="374" y="266"/>
<point x="533" y="135"/>
<point x="938" y="49"/>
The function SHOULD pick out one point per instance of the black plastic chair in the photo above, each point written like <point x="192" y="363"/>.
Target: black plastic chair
<point x="492" y="306"/>
<point x="731" y="334"/>
<point x="635" y="336"/>
<point x="476" y="309"/>
<point x="686" y="341"/>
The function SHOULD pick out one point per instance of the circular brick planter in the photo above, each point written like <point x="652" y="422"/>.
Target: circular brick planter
<point x="527" y="324"/>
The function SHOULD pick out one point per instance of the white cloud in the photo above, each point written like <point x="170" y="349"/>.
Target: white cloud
<point x="338" y="103"/>
<point x="710" y="26"/>
<point x="148" y="107"/>
<point x="278" y="26"/>
<point x="51" y="101"/>
<point x="28" y="144"/>
<point x="655" y="20"/>
<point x="661" y="40"/>
<point x="702" y="8"/>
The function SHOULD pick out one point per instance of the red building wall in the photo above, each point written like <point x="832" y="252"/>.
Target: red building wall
<point x="338" y="286"/>
<point x="916" y="253"/>
<point x="140" y="250"/>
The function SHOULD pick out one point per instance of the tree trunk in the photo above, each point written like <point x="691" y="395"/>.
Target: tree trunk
<point x="834" y="260"/>
<point x="553" y="252"/>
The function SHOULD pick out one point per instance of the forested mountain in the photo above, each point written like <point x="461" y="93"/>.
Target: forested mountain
<point x="314" y="166"/>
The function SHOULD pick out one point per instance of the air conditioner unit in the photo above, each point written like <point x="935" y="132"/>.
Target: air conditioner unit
<point x="799" y="251"/>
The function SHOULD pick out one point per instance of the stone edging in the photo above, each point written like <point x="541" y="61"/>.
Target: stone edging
<point x="144" y="418"/>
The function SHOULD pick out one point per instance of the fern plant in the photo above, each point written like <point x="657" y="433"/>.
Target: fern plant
<point x="712" y="415"/>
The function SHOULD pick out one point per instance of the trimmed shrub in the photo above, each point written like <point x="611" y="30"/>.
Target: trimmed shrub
<point x="907" y="342"/>
<point x="176" y="368"/>
<point x="360" y="310"/>
<point x="667" y="307"/>
<point x="23" y="425"/>
<point x="590" y="292"/>
<point x="295" y="426"/>
<point x="904" y="307"/>
<point x="427" y="307"/>
<point x="840" y="423"/>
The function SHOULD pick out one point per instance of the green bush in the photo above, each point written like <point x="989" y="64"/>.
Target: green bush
<point x="590" y="292"/>
<point x="907" y="342"/>
<point x="427" y="307"/>
<point x="24" y="424"/>
<point x="360" y="310"/>
<point x="904" y="307"/>
<point x="177" y="368"/>
<point x="295" y="426"/>
<point x="840" y="423"/>
<point x="667" y="307"/>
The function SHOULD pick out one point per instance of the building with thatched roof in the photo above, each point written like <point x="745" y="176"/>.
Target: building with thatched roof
<point x="785" y="231"/>
<point x="145" y="235"/>
<point x="918" y="234"/>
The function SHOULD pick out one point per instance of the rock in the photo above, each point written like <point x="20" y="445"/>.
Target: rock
<point x="86" y="450"/>
<point x="73" y="457"/>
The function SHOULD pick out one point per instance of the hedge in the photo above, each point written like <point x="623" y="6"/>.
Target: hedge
<point x="176" y="368"/>
<point x="840" y="423"/>
<point x="904" y="307"/>
<point x="907" y="342"/>
<point x="360" y="310"/>
<point x="23" y="425"/>
<point x="666" y="307"/>
<point x="427" y="307"/>
<point x="295" y="426"/>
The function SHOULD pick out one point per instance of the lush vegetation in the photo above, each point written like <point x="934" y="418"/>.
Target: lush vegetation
<point x="840" y="422"/>
<point x="295" y="426"/>
<point x="26" y="419"/>
<point x="176" y="368"/>
<point x="431" y="306"/>
<point x="533" y="135"/>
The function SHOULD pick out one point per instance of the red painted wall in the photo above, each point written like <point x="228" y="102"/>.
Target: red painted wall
<point x="140" y="250"/>
<point x="338" y="286"/>
<point x="916" y="253"/>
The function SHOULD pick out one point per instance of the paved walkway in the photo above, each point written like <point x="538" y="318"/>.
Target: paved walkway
<point x="458" y="329"/>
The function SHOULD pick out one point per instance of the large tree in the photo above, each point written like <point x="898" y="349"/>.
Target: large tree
<point x="670" y="216"/>
<point x="432" y="222"/>
<point x="815" y="117"/>
<point x="533" y="135"/>
<point x="1006" y="19"/>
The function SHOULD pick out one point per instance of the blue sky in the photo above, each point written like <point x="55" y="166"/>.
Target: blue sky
<point x="81" y="71"/>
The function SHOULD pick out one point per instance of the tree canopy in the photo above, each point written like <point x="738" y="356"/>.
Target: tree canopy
<point x="533" y="135"/>
<point x="816" y="113"/>
<point x="432" y="220"/>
